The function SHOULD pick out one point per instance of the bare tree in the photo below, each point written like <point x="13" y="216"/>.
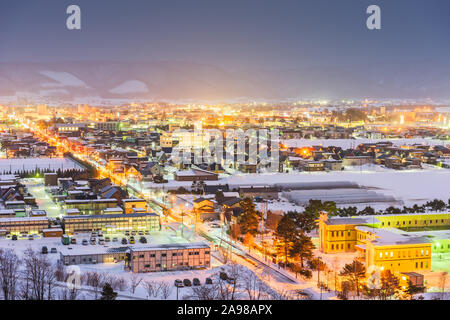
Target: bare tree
<point x="255" y="288"/>
<point x="51" y="281"/>
<point x="116" y="283"/>
<point x="39" y="274"/>
<point x="134" y="282"/>
<point x="121" y="284"/>
<point x="95" y="280"/>
<point x="157" y="288"/>
<point x="166" y="290"/>
<point x="204" y="292"/>
<point x="149" y="287"/>
<point x="68" y="294"/>
<point x="282" y="295"/>
<point x="223" y="290"/>
<point x="235" y="272"/>
<point x="225" y="254"/>
<point x="60" y="271"/>
<point x="9" y="270"/>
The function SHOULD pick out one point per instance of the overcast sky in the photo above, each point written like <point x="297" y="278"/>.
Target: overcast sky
<point x="227" y="33"/>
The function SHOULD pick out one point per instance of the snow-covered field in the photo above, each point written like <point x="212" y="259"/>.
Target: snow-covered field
<point x="20" y="164"/>
<point x="352" y="143"/>
<point x="409" y="186"/>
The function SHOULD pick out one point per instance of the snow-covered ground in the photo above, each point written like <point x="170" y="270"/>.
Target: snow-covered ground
<point x="20" y="164"/>
<point x="280" y="206"/>
<point x="409" y="186"/>
<point x="352" y="143"/>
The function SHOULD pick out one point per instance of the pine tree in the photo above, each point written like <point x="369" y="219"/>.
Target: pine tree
<point x="302" y="247"/>
<point x="389" y="284"/>
<point x="108" y="293"/>
<point x="285" y="233"/>
<point x="304" y="221"/>
<point x="248" y="220"/>
<point x="355" y="271"/>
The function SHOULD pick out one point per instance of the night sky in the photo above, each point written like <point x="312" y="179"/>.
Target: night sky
<point x="229" y="34"/>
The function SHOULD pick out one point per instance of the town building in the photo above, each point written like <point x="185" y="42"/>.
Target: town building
<point x="394" y="242"/>
<point x="111" y="222"/>
<point x="169" y="257"/>
<point x="24" y="225"/>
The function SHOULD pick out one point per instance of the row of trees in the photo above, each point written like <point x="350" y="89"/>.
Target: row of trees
<point x="435" y="205"/>
<point x="32" y="278"/>
<point x="246" y="285"/>
<point x="40" y="173"/>
<point x="35" y="277"/>
<point x="314" y="207"/>
<point x="380" y="286"/>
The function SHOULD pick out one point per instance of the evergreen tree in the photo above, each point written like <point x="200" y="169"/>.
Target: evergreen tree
<point x="303" y="221"/>
<point x="367" y="211"/>
<point x="108" y="293"/>
<point x="355" y="272"/>
<point x="389" y="284"/>
<point x="284" y="234"/>
<point x="412" y="289"/>
<point x="248" y="220"/>
<point x="302" y="247"/>
<point x="316" y="206"/>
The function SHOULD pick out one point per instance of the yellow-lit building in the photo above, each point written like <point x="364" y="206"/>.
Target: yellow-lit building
<point x="394" y="250"/>
<point x="338" y="234"/>
<point x="134" y="206"/>
<point x="400" y="243"/>
<point x="415" y="220"/>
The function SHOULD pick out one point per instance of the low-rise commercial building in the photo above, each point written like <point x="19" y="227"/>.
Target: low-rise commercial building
<point x="92" y="206"/>
<point x="111" y="222"/>
<point x="169" y="257"/>
<point x="92" y="255"/>
<point x="24" y="225"/>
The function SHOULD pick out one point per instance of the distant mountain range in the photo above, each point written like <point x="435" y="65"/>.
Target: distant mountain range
<point x="173" y="80"/>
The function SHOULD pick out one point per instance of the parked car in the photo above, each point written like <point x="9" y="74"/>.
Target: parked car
<point x="124" y="241"/>
<point x="44" y="250"/>
<point x="223" y="276"/>
<point x="73" y="241"/>
<point x="133" y="233"/>
<point x="147" y="232"/>
<point x="141" y="233"/>
<point x="115" y="239"/>
<point x="127" y="233"/>
<point x="187" y="283"/>
<point x="178" y="283"/>
<point x="14" y="237"/>
<point x="84" y="242"/>
<point x="93" y="241"/>
<point x="100" y="233"/>
<point x="132" y="241"/>
<point x="53" y="250"/>
<point x="94" y="234"/>
<point x="101" y="242"/>
<point x="143" y="239"/>
<point x="196" y="282"/>
<point x="208" y="281"/>
<point x="30" y="237"/>
<point x="107" y="239"/>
